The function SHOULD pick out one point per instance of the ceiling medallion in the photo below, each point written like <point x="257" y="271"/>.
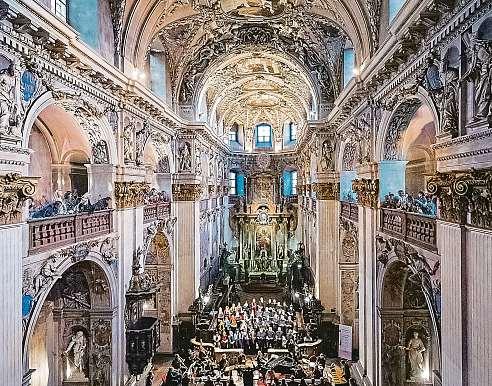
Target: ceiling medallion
<point x="263" y="161"/>
<point x="252" y="10"/>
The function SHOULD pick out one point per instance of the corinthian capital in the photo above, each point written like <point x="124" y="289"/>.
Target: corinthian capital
<point x="326" y="190"/>
<point x="367" y="191"/>
<point x="187" y="192"/>
<point x="463" y="192"/>
<point x="14" y="191"/>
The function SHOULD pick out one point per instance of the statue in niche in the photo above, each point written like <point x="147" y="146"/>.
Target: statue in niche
<point x="78" y="347"/>
<point x="184" y="157"/>
<point x="7" y="100"/>
<point x="100" y="152"/>
<point x="327" y="150"/>
<point x="128" y="143"/>
<point x="449" y="116"/>
<point x="415" y="349"/>
<point x="198" y="160"/>
<point x="481" y="72"/>
<point x="432" y="78"/>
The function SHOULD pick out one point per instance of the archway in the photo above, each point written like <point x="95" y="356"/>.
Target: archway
<point x="407" y="156"/>
<point x="158" y="264"/>
<point x="72" y="335"/>
<point x="409" y="305"/>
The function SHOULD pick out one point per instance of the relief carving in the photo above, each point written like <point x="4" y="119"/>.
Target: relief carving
<point x="327" y="190"/>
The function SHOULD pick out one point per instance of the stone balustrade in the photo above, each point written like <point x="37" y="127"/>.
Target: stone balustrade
<point x="349" y="211"/>
<point x="414" y="228"/>
<point x="156" y="211"/>
<point x="54" y="232"/>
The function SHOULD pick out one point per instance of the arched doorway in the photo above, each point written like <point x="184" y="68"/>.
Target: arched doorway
<point x="158" y="265"/>
<point x="409" y="304"/>
<point x="71" y="337"/>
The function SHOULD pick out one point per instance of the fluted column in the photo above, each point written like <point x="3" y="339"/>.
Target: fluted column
<point x="464" y="237"/>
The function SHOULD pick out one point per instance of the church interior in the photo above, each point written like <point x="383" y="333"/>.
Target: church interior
<point x="245" y="192"/>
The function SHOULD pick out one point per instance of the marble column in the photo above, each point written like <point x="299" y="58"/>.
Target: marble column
<point x="187" y="208"/>
<point x="327" y="210"/>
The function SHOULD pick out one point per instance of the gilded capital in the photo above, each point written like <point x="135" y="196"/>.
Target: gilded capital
<point x="326" y="190"/>
<point x="367" y="191"/>
<point x="187" y="192"/>
<point x="14" y="191"/>
<point x="463" y="192"/>
<point x="130" y="194"/>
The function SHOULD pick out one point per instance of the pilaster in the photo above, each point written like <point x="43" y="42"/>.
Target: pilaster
<point x="14" y="191"/>
<point x="367" y="190"/>
<point x="186" y="198"/>
<point x="327" y="209"/>
<point x="464" y="242"/>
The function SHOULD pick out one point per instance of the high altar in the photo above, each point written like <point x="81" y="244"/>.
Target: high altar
<point x="264" y="224"/>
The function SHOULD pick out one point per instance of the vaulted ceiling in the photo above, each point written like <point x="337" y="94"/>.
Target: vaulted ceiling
<point x="248" y="61"/>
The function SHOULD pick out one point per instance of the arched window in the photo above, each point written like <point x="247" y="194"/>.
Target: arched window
<point x="290" y="183"/>
<point x="348" y="65"/>
<point x="292" y="132"/>
<point x="264" y="135"/>
<point x="234" y="133"/>
<point x="394" y="7"/>
<point x="157" y="64"/>
<point x="236" y="184"/>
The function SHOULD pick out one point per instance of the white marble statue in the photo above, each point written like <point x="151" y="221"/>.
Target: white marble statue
<point x="415" y="349"/>
<point x="78" y="346"/>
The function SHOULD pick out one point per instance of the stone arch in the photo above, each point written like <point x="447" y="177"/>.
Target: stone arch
<point x="159" y="266"/>
<point x="103" y="298"/>
<point x="394" y="124"/>
<point x="405" y="306"/>
<point x="88" y="117"/>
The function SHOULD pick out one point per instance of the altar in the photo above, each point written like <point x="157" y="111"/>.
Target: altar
<point x="264" y="227"/>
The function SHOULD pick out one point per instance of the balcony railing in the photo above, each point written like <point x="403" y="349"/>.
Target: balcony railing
<point x="350" y="211"/>
<point x="412" y="227"/>
<point x="156" y="211"/>
<point x="54" y="232"/>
